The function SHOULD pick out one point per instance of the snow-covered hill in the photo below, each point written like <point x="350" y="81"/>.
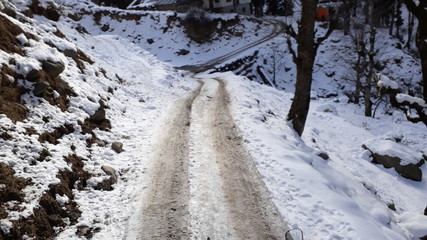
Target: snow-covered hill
<point x="54" y="147"/>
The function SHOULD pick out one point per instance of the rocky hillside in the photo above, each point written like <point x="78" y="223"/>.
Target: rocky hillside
<point x="59" y="112"/>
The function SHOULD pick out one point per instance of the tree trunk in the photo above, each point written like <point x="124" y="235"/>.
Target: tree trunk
<point x="371" y="55"/>
<point x="305" y="61"/>
<point x="410" y="30"/>
<point x="422" y="49"/>
<point x="392" y="21"/>
<point x="420" y="12"/>
<point x="359" y="72"/>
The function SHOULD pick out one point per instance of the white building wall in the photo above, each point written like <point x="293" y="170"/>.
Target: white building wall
<point x="227" y="6"/>
<point x="218" y="3"/>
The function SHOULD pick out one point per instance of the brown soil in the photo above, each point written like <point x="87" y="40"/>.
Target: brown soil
<point x="50" y="12"/>
<point x="43" y="155"/>
<point x="119" y="16"/>
<point x="51" y="213"/>
<point x="52" y="137"/>
<point x="14" y="185"/>
<point x="8" y="40"/>
<point x="64" y="90"/>
<point x="80" y="59"/>
<point x="10" y="95"/>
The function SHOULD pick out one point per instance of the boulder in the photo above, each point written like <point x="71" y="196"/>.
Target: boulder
<point x="117" y="146"/>
<point x="53" y="69"/>
<point x="41" y="88"/>
<point x="409" y="171"/>
<point x="390" y="154"/>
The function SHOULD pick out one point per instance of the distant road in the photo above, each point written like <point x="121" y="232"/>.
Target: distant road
<point x="278" y="29"/>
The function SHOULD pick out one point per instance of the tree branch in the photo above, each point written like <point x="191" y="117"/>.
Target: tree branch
<point x="291" y="31"/>
<point x="291" y="50"/>
<point x="332" y="26"/>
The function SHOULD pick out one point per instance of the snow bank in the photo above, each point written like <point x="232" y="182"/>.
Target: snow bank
<point x="415" y="223"/>
<point x="315" y="195"/>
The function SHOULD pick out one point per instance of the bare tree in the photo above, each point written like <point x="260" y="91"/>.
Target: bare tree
<point x="364" y="44"/>
<point x="304" y="60"/>
<point x="418" y="8"/>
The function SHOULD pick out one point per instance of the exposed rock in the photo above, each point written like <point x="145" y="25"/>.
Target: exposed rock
<point x="98" y="116"/>
<point x="41" y="88"/>
<point x="100" y="142"/>
<point x="33" y="75"/>
<point x="410" y="171"/>
<point x="182" y="52"/>
<point x="323" y="155"/>
<point x="391" y="206"/>
<point x="425" y="211"/>
<point x="407" y="170"/>
<point x="106" y="184"/>
<point x="53" y="69"/>
<point x="150" y="41"/>
<point x="70" y="53"/>
<point x="110" y="172"/>
<point x="117" y="146"/>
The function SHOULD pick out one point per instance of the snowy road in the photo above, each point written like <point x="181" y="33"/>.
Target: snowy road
<point x="278" y="29"/>
<point x="204" y="184"/>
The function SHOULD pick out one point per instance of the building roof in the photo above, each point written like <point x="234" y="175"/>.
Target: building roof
<point x="165" y="2"/>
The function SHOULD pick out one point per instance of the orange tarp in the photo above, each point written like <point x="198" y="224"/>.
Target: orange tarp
<point x="322" y="13"/>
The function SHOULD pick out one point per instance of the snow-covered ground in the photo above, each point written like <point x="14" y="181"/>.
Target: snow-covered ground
<point x="344" y="197"/>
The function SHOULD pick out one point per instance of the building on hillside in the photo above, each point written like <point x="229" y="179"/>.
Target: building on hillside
<point x="228" y="6"/>
<point x="177" y="5"/>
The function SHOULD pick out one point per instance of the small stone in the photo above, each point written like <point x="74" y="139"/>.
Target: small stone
<point x="117" y="146"/>
<point x="110" y="172"/>
<point x="323" y="155"/>
<point x="41" y="88"/>
<point x="100" y="142"/>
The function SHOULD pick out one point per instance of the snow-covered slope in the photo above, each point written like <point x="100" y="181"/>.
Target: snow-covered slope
<point x="111" y="61"/>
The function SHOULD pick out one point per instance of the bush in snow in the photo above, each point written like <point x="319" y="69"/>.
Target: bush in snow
<point x="199" y="26"/>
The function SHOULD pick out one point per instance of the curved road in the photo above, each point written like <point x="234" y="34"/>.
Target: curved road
<point x="204" y="184"/>
<point x="278" y="29"/>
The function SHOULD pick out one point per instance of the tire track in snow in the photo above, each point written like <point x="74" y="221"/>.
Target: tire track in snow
<point x="165" y="203"/>
<point x="209" y="214"/>
<point x="230" y="201"/>
<point x="203" y="183"/>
